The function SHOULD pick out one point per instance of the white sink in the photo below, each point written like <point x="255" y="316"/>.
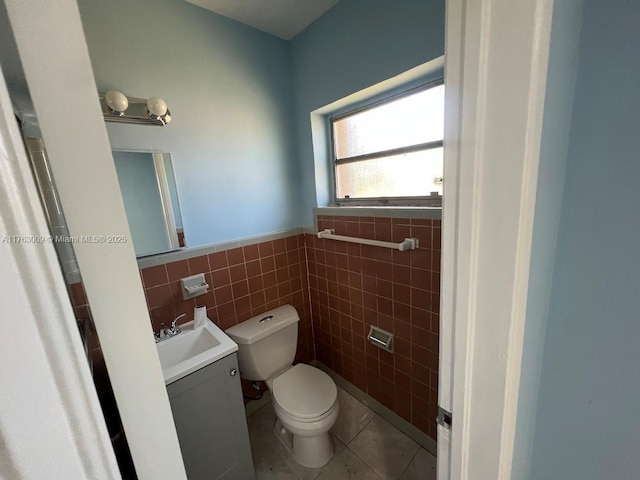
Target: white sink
<point x="193" y="349"/>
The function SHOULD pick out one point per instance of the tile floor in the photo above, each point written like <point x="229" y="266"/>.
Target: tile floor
<point x="367" y="447"/>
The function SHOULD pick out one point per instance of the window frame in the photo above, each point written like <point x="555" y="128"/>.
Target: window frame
<point x="416" y="201"/>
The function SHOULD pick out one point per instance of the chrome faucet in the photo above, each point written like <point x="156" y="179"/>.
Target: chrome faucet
<point x="175" y="329"/>
<point x="172" y="331"/>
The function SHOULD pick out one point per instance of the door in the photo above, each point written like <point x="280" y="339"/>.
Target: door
<point x="45" y="428"/>
<point x="81" y="161"/>
<point x="496" y="66"/>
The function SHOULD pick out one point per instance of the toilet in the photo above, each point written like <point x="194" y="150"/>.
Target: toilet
<point x="305" y="398"/>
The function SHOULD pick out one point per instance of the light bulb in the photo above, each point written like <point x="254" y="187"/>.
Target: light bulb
<point x="116" y="101"/>
<point x="157" y="106"/>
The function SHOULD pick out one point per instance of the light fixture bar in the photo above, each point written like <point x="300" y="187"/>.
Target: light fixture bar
<point x="136" y="112"/>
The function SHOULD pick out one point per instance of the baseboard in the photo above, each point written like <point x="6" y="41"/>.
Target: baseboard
<point x="390" y="416"/>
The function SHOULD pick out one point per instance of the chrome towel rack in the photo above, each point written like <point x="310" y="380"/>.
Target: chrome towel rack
<point x="407" y="244"/>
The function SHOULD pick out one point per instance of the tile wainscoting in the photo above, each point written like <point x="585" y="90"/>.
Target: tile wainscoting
<point x="245" y="281"/>
<point x="355" y="286"/>
<point x="339" y="289"/>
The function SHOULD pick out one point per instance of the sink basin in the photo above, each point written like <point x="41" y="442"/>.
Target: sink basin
<point x="193" y="349"/>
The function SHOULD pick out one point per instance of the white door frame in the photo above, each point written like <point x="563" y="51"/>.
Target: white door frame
<point x="50" y="419"/>
<point x="496" y="60"/>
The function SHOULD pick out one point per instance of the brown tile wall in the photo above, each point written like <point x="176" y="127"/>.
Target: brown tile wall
<point x="245" y="282"/>
<point x="350" y="288"/>
<point x="355" y="286"/>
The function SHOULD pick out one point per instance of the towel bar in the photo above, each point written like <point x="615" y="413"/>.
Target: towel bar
<point x="407" y="244"/>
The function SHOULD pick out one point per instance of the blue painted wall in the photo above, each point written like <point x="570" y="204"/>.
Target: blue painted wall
<point x="587" y="422"/>
<point x="228" y="87"/>
<point x="564" y="50"/>
<point x="355" y="45"/>
<point x="240" y="99"/>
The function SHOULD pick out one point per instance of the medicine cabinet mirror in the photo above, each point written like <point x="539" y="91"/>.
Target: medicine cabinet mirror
<point x="150" y="196"/>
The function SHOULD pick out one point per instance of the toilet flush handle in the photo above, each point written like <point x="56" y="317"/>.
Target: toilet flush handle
<point x="233" y="372"/>
<point x="266" y="319"/>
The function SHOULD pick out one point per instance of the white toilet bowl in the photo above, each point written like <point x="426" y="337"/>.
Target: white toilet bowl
<point x="305" y="398"/>
<point x="306" y="403"/>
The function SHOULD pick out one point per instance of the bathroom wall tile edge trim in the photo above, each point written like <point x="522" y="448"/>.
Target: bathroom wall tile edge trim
<point x="428" y="213"/>
<point x="389" y="212"/>
<point x="432" y="213"/>
<point x="389" y="415"/>
<point x="188" y="253"/>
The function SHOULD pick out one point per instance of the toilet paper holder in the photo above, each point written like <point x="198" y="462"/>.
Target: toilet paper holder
<point x="381" y="338"/>
<point x="193" y="286"/>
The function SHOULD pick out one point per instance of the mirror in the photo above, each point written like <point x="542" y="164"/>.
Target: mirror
<point x="150" y="196"/>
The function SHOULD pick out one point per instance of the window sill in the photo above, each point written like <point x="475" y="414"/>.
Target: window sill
<point x="432" y="213"/>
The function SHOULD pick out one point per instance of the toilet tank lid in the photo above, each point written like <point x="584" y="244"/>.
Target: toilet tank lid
<point x="258" y="327"/>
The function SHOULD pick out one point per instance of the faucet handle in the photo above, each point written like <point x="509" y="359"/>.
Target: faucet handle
<point x="175" y="329"/>
<point x="162" y="333"/>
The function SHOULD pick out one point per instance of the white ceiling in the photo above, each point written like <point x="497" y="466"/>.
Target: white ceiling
<point x="282" y="18"/>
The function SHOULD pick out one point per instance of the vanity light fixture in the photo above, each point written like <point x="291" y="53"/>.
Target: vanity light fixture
<point x="157" y="106"/>
<point x="117" y="102"/>
<point x="117" y="107"/>
<point x="158" y="110"/>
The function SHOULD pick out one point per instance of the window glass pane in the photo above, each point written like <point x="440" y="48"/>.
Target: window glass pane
<point x="412" y="174"/>
<point x="410" y="120"/>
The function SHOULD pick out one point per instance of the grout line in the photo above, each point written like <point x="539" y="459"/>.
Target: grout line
<point x="410" y="461"/>
<point x="348" y="445"/>
<point x="364" y="462"/>
<point x="385" y="413"/>
<point x="365" y="425"/>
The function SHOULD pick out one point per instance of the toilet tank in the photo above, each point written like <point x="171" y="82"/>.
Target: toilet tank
<point x="266" y="343"/>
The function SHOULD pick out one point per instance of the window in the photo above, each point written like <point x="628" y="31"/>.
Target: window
<point x="390" y="153"/>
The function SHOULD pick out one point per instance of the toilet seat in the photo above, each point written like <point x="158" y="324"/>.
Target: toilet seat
<point x="289" y="419"/>
<point x="304" y="393"/>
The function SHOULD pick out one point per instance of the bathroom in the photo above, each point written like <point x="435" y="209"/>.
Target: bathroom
<point x="539" y="276"/>
<point x="242" y="149"/>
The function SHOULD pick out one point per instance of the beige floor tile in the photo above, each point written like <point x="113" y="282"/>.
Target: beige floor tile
<point x="267" y="447"/>
<point x="422" y="467"/>
<point x="303" y="472"/>
<point x="375" y="449"/>
<point x="353" y="417"/>
<point x="263" y="417"/>
<point x="384" y="448"/>
<point x="267" y="460"/>
<point x="347" y="466"/>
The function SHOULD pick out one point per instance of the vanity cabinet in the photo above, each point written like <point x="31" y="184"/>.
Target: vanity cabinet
<point x="209" y="414"/>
